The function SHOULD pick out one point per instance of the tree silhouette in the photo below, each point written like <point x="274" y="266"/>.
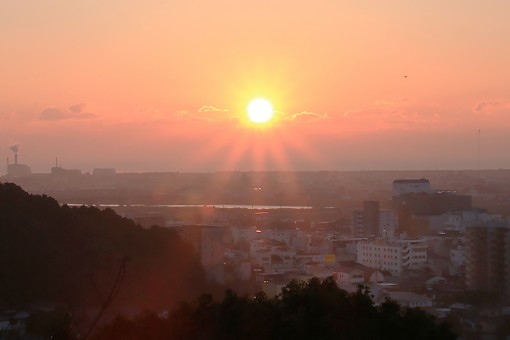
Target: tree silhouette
<point x="304" y="310"/>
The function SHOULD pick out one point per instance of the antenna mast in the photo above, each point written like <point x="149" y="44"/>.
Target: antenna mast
<point x="479" y="137"/>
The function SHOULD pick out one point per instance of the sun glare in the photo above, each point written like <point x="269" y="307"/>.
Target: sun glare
<point x="260" y="111"/>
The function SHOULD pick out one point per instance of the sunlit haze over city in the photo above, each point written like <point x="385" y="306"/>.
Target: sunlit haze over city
<point x="337" y="85"/>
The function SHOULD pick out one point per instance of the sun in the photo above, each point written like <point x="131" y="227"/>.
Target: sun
<point x="260" y="111"/>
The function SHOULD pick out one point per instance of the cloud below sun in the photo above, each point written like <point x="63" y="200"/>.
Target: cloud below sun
<point x="213" y="114"/>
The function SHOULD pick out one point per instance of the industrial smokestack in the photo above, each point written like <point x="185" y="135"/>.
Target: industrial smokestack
<point x="15" y="159"/>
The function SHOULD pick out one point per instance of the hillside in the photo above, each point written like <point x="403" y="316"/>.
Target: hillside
<point x="73" y="255"/>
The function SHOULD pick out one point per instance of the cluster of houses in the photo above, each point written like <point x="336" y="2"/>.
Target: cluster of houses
<point x="421" y="271"/>
<point x="273" y="257"/>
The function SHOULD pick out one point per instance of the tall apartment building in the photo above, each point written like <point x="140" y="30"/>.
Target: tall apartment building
<point x="394" y="255"/>
<point x="371" y="221"/>
<point x="488" y="259"/>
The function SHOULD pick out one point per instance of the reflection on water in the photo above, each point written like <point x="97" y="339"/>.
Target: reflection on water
<point x="220" y="206"/>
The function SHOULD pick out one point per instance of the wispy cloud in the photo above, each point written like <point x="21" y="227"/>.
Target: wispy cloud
<point x="489" y="106"/>
<point x="307" y="116"/>
<point x="51" y="113"/>
<point x="192" y="116"/>
<point x="73" y="112"/>
<point x="207" y="108"/>
<point x="213" y="114"/>
<point x="77" y="108"/>
<point x="206" y="113"/>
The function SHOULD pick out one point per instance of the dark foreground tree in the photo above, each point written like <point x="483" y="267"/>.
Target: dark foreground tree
<point x="311" y="310"/>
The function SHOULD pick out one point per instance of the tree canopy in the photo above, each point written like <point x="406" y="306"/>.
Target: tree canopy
<point x="304" y="310"/>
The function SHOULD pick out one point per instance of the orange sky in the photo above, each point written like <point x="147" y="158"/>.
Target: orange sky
<point x="163" y="85"/>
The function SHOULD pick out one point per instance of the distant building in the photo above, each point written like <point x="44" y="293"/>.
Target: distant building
<point x="58" y="171"/>
<point x="357" y="223"/>
<point x="434" y="203"/>
<point x="388" y="223"/>
<point x="410" y="299"/>
<point x="411" y="186"/>
<point x="104" y="172"/>
<point x="356" y="274"/>
<point x="420" y="208"/>
<point x="271" y="257"/>
<point x="458" y="220"/>
<point x="208" y="242"/>
<point x="370" y="218"/>
<point x="316" y="243"/>
<point x="371" y="221"/>
<point x="349" y="276"/>
<point x="328" y="259"/>
<point x="244" y="234"/>
<point x="458" y="256"/>
<point x="16" y="169"/>
<point x="394" y="255"/>
<point x="442" y="246"/>
<point x="345" y="248"/>
<point x="488" y="259"/>
<point x="366" y="222"/>
<point x="14" y="324"/>
<point x="281" y="235"/>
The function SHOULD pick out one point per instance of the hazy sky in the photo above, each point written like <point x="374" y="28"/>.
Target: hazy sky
<point x="163" y="85"/>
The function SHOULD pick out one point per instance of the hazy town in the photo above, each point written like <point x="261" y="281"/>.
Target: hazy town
<point x="437" y="240"/>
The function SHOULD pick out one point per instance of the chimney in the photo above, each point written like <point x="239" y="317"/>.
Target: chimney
<point x="15" y="159"/>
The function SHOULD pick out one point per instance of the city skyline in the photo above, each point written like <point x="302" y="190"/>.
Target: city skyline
<point x="164" y="85"/>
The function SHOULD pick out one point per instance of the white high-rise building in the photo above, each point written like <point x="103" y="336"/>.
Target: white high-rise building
<point x="393" y="255"/>
<point x="408" y="186"/>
